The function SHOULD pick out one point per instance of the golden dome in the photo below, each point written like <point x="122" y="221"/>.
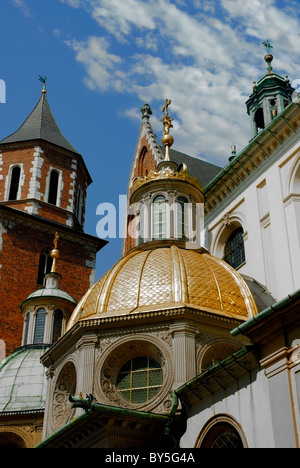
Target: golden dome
<point x="162" y="275"/>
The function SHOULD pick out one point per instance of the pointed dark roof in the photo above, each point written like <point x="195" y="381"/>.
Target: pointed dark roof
<point x="203" y="170"/>
<point x="40" y="125"/>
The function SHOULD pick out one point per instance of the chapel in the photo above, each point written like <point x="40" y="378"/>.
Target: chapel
<point x="191" y="340"/>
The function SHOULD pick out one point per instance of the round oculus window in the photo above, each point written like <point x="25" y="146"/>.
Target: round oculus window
<point x="139" y="380"/>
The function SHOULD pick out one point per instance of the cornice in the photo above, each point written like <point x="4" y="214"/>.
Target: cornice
<point x="102" y="325"/>
<point x="12" y="215"/>
<point x="260" y="153"/>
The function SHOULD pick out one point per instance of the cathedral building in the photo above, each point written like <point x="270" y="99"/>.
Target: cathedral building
<point x="191" y="340"/>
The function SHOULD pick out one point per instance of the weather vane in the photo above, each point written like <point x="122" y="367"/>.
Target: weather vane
<point x="44" y="81"/>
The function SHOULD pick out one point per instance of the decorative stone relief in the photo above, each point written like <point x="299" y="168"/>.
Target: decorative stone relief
<point x="120" y="351"/>
<point x="214" y="352"/>
<point x="65" y="386"/>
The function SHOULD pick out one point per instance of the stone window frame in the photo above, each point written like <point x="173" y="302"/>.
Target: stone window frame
<point x="219" y="419"/>
<point x="59" y="186"/>
<point x="117" y="354"/>
<point x="9" y="181"/>
<point x="29" y="326"/>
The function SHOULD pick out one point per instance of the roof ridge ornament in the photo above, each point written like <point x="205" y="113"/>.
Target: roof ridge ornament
<point x="146" y="111"/>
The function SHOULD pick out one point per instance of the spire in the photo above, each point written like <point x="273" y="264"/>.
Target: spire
<point x="146" y="111"/>
<point x="40" y="125"/>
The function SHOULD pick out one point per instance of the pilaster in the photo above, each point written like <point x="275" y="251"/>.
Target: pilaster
<point x="86" y="347"/>
<point x="184" y="339"/>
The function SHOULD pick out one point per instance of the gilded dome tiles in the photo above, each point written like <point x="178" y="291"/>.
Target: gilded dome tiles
<point x="164" y="277"/>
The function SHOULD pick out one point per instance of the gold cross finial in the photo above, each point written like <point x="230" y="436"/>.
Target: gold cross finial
<point x="167" y="139"/>
<point x="55" y="253"/>
<point x="56" y="239"/>
<point x="165" y="109"/>
<point x="167" y="121"/>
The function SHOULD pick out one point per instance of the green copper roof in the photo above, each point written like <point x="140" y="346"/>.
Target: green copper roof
<point x="49" y="292"/>
<point x="23" y="381"/>
<point x="40" y="125"/>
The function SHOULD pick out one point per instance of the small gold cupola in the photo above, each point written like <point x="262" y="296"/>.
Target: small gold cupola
<point x="46" y="311"/>
<point x="166" y="203"/>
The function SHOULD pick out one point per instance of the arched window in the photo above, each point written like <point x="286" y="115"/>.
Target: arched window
<point x="234" y="253"/>
<point x="159" y="218"/>
<point x="182" y="219"/>
<point x="14" y="183"/>
<point x="216" y="353"/>
<point x="79" y="207"/>
<point x="39" y="328"/>
<point x="45" y="265"/>
<point x="141" y="160"/>
<point x="139" y="380"/>
<point x="26" y="329"/>
<point x="259" y="119"/>
<point x="222" y="435"/>
<point x="53" y="188"/>
<point x="57" y="325"/>
<point x="141" y="225"/>
<point x="9" y="440"/>
<point x="296" y="182"/>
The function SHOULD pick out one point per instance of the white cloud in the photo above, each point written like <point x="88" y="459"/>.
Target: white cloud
<point x="202" y="55"/>
<point x="101" y="66"/>
<point x="23" y="7"/>
<point x="119" y="18"/>
<point x="74" y="3"/>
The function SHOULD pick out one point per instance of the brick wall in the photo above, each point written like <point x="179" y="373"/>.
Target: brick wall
<point x="36" y="163"/>
<point x="145" y="163"/>
<point x="21" y="244"/>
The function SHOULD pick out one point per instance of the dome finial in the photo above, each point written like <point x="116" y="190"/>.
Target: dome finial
<point x="44" y="81"/>
<point x="55" y="253"/>
<point x="167" y="139"/>
<point x="268" y="56"/>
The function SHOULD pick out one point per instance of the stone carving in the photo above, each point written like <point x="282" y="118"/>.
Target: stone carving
<point x="118" y="354"/>
<point x="65" y="386"/>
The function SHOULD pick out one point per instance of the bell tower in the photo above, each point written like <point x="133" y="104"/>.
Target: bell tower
<point x="271" y="95"/>
<point x="42" y="173"/>
<point x="43" y="187"/>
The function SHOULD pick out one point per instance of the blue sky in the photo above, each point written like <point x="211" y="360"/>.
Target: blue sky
<point x="105" y="58"/>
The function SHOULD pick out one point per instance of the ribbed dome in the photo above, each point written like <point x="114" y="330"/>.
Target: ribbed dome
<point x="23" y="381"/>
<point x="161" y="276"/>
<point x="50" y="293"/>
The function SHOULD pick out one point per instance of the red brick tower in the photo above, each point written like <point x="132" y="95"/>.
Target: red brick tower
<point x="43" y="185"/>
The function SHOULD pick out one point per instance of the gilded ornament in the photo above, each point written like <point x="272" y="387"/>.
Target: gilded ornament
<point x="55" y="253"/>
<point x="166" y="174"/>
